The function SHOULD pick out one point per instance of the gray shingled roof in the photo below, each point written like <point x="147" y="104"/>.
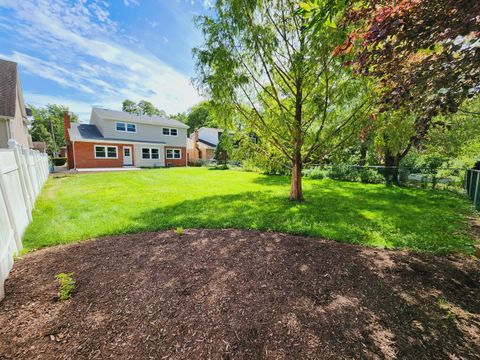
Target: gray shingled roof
<point x="88" y="131"/>
<point x="207" y="143"/>
<point x="8" y="87"/>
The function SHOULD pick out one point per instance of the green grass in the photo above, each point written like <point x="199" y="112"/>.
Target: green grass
<point x="85" y="206"/>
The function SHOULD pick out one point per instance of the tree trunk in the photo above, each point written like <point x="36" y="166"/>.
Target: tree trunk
<point x="363" y="154"/>
<point x="296" y="193"/>
<point x="391" y="170"/>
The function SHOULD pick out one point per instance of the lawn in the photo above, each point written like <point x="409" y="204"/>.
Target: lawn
<point x="83" y="206"/>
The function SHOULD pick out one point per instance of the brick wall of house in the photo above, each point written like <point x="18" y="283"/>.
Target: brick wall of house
<point x="176" y="162"/>
<point x="85" y="155"/>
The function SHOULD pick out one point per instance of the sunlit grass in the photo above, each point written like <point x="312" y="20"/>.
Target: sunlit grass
<point x="85" y="206"/>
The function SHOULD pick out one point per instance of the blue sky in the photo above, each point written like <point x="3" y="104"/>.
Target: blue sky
<point x="85" y="53"/>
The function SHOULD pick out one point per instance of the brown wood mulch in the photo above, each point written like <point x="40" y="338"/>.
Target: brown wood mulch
<point x="231" y="294"/>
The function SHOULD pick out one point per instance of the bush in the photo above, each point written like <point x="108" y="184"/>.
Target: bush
<point x="59" y="161"/>
<point x="343" y="172"/>
<point x="314" y="173"/>
<point x="371" y="176"/>
<point x="197" y="163"/>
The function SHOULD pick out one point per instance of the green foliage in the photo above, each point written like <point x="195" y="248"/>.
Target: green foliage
<point x="202" y="115"/>
<point x="66" y="285"/>
<point x="88" y="206"/>
<point x="355" y="174"/>
<point x="315" y="173"/>
<point x="143" y="107"/>
<point x="343" y="172"/>
<point x="59" y="161"/>
<point x="267" y="65"/>
<point x="224" y="149"/>
<point x="370" y="176"/>
<point x="48" y="126"/>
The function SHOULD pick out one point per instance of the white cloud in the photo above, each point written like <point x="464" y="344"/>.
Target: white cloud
<point x="207" y="4"/>
<point x="131" y="2"/>
<point x="79" y="47"/>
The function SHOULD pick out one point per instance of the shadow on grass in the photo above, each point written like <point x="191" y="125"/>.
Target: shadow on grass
<point x="376" y="216"/>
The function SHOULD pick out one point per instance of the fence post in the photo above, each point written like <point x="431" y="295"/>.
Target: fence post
<point x="471" y="183"/>
<point x="476" y="190"/>
<point x="465" y="185"/>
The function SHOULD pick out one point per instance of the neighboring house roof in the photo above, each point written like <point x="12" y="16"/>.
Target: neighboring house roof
<point x="142" y="119"/>
<point x="85" y="132"/>
<point x="9" y="85"/>
<point x="214" y="129"/>
<point x="201" y="144"/>
<point x="8" y="88"/>
<point x="207" y="143"/>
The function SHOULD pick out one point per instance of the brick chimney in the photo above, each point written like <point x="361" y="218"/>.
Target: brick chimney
<point x="195" y="145"/>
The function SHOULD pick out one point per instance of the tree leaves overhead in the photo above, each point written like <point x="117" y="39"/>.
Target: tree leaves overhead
<point x="425" y="53"/>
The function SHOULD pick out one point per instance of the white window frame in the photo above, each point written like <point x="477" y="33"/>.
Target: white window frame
<point x="150" y="153"/>
<point x="126" y="127"/>
<point x="105" y="148"/>
<point x="169" y="131"/>
<point x="173" y="153"/>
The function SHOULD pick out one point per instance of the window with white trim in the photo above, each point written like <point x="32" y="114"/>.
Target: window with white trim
<point x="150" y="153"/>
<point x="106" y="152"/>
<point x="170" y="132"/>
<point x="173" y="153"/>
<point x="126" y="127"/>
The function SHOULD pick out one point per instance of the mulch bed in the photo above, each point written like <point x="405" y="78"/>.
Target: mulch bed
<point x="231" y="294"/>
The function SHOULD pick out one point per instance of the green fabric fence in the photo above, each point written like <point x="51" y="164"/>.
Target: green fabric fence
<point x="472" y="186"/>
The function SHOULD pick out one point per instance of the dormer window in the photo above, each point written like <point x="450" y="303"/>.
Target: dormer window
<point x="170" y="132"/>
<point x="126" y="127"/>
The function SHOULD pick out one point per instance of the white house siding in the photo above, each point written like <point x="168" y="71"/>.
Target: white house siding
<point x="18" y="129"/>
<point x="145" y="132"/>
<point x="208" y="134"/>
<point x="95" y="120"/>
<point x="140" y="162"/>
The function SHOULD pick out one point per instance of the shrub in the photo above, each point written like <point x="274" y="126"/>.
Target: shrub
<point x="59" y="161"/>
<point x="179" y="231"/>
<point x="66" y="285"/>
<point x="197" y="163"/>
<point x="343" y="172"/>
<point x="314" y="173"/>
<point x="370" y="176"/>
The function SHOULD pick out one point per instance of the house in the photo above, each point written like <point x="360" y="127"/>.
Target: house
<point x="13" y="114"/>
<point x="202" y="143"/>
<point x="117" y="139"/>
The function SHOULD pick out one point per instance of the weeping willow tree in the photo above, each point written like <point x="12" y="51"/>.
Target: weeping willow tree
<point x="263" y="61"/>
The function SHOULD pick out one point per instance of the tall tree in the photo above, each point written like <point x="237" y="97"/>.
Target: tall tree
<point x="143" y="107"/>
<point x="47" y="126"/>
<point x="202" y="114"/>
<point x="262" y="60"/>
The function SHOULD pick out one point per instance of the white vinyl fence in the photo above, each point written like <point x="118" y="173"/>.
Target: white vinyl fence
<point x="22" y="175"/>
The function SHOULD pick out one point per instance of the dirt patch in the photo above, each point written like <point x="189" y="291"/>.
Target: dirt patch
<point x="229" y="294"/>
